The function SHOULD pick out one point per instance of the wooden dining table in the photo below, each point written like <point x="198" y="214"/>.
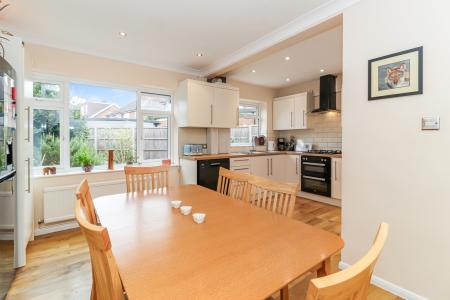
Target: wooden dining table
<point x="239" y="252"/>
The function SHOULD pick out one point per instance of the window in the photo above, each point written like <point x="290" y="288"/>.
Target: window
<point x="46" y="137"/>
<point x="102" y="119"/>
<point x="46" y="91"/>
<point x="249" y="124"/>
<point x="156" y="126"/>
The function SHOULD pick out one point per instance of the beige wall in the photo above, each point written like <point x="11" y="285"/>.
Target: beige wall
<point x="392" y="170"/>
<point x="325" y="131"/>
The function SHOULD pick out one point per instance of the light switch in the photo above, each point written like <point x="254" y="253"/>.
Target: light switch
<point x="430" y="123"/>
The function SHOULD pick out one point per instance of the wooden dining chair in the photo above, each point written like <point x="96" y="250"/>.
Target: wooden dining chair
<point x="232" y="184"/>
<point x="278" y="197"/>
<point x="107" y="284"/>
<point x="353" y="282"/>
<point x="83" y="194"/>
<point x="146" y="178"/>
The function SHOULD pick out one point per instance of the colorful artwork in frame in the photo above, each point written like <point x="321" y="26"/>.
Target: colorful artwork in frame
<point x="396" y="75"/>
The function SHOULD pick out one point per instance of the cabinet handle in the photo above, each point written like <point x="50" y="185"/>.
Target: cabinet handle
<point x="304" y="118"/>
<point x="211" y="114"/>
<point x="237" y="117"/>
<point x="291" y="120"/>
<point x="335" y="170"/>
<point x="296" y="165"/>
<point x="28" y="139"/>
<point x="268" y="174"/>
<point x="271" y="169"/>
<point x="28" y="160"/>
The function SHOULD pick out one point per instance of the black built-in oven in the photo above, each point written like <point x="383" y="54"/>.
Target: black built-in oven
<point x="316" y="175"/>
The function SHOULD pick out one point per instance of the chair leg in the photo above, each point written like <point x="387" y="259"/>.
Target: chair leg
<point x="284" y="293"/>
<point x="325" y="269"/>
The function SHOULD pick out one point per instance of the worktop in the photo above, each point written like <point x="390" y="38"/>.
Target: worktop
<point x="237" y="155"/>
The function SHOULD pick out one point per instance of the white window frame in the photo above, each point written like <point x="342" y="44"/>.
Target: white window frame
<point x="63" y="106"/>
<point x="259" y="119"/>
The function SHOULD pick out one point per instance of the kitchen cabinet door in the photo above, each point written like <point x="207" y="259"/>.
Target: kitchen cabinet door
<point x="200" y="100"/>
<point x="259" y="166"/>
<point x="300" y="110"/>
<point x="292" y="168"/>
<point x="278" y="167"/>
<point x="336" y="179"/>
<point x="225" y="108"/>
<point x="283" y="113"/>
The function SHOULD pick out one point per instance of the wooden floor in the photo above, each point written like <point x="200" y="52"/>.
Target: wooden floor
<point x="6" y="266"/>
<point x="58" y="266"/>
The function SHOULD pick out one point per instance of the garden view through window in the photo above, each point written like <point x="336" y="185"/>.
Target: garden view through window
<point x="46" y="137"/>
<point x="101" y="119"/>
<point x="249" y="116"/>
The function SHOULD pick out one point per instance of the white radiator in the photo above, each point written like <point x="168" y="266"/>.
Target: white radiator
<point x="59" y="201"/>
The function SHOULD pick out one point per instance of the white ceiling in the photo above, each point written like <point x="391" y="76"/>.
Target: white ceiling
<point x="165" y="34"/>
<point x="307" y="58"/>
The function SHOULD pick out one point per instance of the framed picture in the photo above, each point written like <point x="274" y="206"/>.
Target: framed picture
<point x="396" y="75"/>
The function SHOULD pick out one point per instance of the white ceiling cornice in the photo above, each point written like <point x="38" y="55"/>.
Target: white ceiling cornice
<point x="291" y="29"/>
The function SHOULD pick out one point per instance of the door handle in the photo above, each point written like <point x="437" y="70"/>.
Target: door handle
<point x="28" y="160"/>
<point x="214" y="164"/>
<point x="314" y="178"/>
<point x="28" y="139"/>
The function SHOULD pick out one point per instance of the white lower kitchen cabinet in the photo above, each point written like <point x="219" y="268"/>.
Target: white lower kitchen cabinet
<point x="240" y="165"/>
<point x="336" y="178"/>
<point x="292" y="171"/>
<point x="260" y="166"/>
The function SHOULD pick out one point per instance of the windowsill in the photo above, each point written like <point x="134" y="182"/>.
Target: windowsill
<point x="100" y="169"/>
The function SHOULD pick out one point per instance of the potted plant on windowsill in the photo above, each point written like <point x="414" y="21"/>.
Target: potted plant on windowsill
<point x="86" y="157"/>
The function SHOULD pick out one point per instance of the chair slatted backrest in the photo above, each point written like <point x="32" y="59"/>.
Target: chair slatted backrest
<point x="83" y="194"/>
<point x="352" y="283"/>
<point x="232" y="184"/>
<point x="278" y="197"/>
<point x="106" y="278"/>
<point x="146" y="178"/>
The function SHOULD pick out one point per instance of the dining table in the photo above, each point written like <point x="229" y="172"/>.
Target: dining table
<point x="239" y="252"/>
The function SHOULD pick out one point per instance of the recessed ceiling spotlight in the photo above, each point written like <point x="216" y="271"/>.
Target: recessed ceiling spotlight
<point x="322" y="70"/>
<point x="287" y="58"/>
<point x="288" y="79"/>
<point x="253" y="71"/>
<point x="122" y="33"/>
<point x="199" y="54"/>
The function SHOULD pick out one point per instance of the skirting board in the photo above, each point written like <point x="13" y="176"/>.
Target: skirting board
<point x="51" y="228"/>
<point x="389" y="286"/>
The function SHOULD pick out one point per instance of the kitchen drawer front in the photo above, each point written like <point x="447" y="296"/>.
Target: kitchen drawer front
<point x="240" y="162"/>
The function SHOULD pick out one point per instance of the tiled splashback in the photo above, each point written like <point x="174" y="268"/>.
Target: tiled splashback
<point x="325" y="132"/>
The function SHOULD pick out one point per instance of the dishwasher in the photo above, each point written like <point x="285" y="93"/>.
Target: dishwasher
<point x="208" y="171"/>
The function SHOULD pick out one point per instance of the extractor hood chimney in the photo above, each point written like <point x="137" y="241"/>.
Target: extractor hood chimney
<point x="327" y="94"/>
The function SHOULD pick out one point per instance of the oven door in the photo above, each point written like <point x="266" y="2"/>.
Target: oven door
<point x="316" y="166"/>
<point x="316" y="185"/>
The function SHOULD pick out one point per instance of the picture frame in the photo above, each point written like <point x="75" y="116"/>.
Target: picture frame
<point x="396" y="75"/>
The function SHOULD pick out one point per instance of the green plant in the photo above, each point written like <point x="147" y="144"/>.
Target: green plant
<point x="49" y="150"/>
<point x="86" y="156"/>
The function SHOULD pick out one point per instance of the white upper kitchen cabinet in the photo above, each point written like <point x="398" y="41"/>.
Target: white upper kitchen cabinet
<point x="283" y="113"/>
<point x="203" y="104"/>
<point x="290" y="112"/>
<point x="336" y="178"/>
<point x="225" y="108"/>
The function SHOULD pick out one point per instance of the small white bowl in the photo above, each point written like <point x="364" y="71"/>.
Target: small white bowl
<point x="199" y="218"/>
<point x="175" y="203"/>
<point x="185" y="210"/>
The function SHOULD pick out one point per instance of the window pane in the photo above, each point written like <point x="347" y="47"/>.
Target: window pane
<point x="248" y="124"/>
<point x="155" y="102"/>
<point x="156" y="137"/>
<point x="47" y="91"/>
<point x="101" y="119"/>
<point x="46" y="137"/>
